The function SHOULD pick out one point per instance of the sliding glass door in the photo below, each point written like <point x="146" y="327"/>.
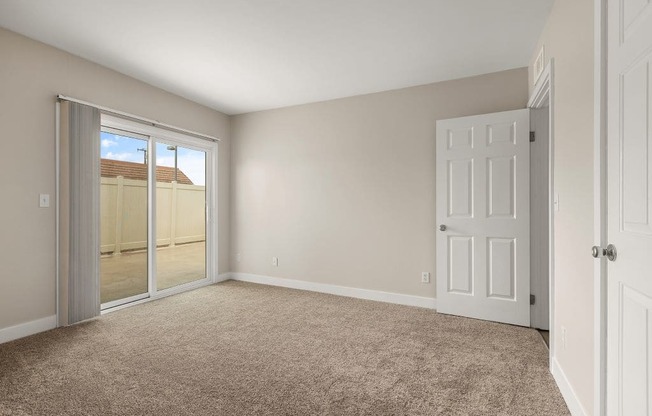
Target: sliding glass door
<point x="180" y="215"/>
<point x="123" y="217"/>
<point x="155" y="197"/>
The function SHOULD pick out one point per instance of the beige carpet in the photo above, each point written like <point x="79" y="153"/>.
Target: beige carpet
<point x="244" y="349"/>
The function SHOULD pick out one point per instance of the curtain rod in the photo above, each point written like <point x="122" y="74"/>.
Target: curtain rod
<point x="134" y="117"/>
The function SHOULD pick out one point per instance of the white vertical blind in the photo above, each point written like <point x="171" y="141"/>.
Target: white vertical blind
<point x="79" y="243"/>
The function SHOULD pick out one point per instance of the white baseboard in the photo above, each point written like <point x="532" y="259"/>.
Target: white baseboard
<point x="222" y="277"/>
<point x="44" y="324"/>
<point x="567" y="391"/>
<point x="350" y="292"/>
<point x="28" y="328"/>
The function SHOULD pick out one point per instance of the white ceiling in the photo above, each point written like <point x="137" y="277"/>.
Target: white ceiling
<point x="238" y="56"/>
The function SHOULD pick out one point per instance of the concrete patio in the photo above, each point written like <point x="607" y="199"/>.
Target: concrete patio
<point x="125" y="274"/>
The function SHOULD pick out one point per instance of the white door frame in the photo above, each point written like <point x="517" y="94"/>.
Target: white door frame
<point x="543" y="94"/>
<point x="600" y="203"/>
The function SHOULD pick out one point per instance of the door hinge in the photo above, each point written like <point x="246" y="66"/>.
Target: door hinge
<point x="532" y="299"/>
<point x="531" y="136"/>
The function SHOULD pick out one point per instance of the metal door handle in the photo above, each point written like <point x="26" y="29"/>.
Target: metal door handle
<point x="442" y="227"/>
<point x="610" y="252"/>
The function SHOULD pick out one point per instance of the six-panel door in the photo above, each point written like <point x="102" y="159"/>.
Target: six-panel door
<point x="629" y="305"/>
<point x="483" y="264"/>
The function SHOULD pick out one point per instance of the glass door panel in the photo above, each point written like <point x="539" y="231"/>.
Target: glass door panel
<point x="180" y="215"/>
<point x="123" y="217"/>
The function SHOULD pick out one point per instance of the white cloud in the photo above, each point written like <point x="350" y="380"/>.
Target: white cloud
<point x="165" y="161"/>
<point x="108" y="143"/>
<point x="125" y="156"/>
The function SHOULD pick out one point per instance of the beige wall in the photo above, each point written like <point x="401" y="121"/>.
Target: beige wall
<point x="343" y="191"/>
<point x="568" y="39"/>
<point x="31" y="74"/>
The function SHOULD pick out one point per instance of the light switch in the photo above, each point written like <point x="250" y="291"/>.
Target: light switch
<point x="44" y="200"/>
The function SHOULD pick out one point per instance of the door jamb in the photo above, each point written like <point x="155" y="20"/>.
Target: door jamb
<point x="600" y="204"/>
<point x="543" y="94"/>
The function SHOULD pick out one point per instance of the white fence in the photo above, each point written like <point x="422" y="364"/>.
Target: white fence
<point x="180" y="214"/>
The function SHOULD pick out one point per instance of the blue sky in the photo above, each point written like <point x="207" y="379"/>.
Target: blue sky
<point x="190" y="162"/>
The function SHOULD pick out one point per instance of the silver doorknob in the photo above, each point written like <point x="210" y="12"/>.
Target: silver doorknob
<point x="610" y="252"/>
<point x="442" y="227"/>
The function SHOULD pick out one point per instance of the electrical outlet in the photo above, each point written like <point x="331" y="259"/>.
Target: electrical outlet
<point x="275" y="261"/>
<point x="44" y="200"/>
<point x="563" y="338"/>
<point x="425" y="277"/>
<point x="238" y="257"/>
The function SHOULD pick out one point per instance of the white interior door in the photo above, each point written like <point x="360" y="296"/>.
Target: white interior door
<point x="483" y="211"/>
<point x="629" y="286"/>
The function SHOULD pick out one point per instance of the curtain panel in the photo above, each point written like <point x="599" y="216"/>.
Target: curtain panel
<point x="79" y="197"/>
